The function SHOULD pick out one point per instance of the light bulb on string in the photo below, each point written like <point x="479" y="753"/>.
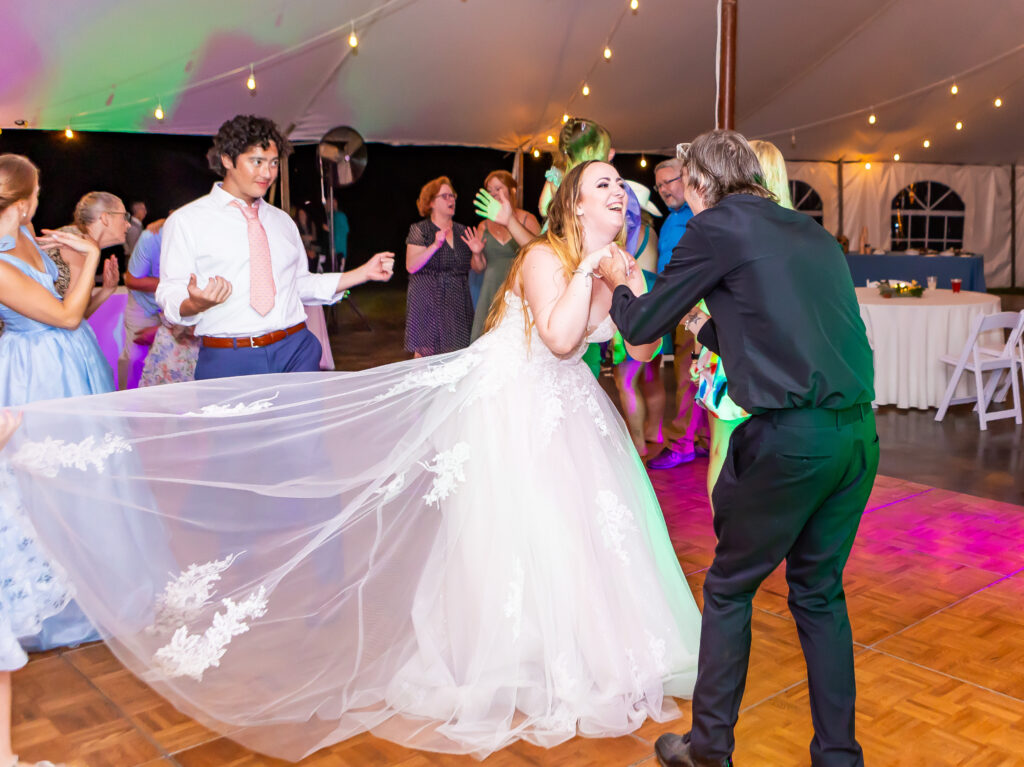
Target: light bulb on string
<point x="251" y="82"/>
<point x="896" y="157"/>
<point x="551" y="139"/>
<point x="607" y="53"/>
<point x="872" y="119"/>
<point x="536" y="153"/>
<point x="867" y="166"/>
<point x="926" y="143"/>
<point x="953" y="89"/>
<point x="997" y="103"/>
<point x="353" y="41"/>
<point x="959" y="125"/>
<point x="586" y="89"/>
<point x="634" y="5"/>
<point x="643" y="161"/>
<point x="565" y="119"/>
<point x="158" y="113"/>
<point x="68" y="133"/>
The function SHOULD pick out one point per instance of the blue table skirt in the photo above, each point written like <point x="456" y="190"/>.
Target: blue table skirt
<point x="896" y="266"/>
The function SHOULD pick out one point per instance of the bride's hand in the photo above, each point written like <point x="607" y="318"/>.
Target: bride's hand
<point x="53" y="238"/>
<point x="9" y="423"/>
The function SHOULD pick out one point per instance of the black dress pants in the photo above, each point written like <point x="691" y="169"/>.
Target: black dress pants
<point x="793" y="487"/>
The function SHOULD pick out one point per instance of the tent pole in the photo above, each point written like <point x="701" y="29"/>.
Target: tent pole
<point x="282" y="176"/>
<point x="726" y="114"/>
<point x="1013" y="225"/>
<point x="839" y="185"/>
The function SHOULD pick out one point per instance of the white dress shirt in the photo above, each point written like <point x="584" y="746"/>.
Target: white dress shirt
<point x="209" y="238"/>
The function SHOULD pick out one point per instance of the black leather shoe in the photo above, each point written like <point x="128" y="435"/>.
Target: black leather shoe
<point x="674" y="751"/>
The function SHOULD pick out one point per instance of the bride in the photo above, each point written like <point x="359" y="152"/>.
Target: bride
<point x="453" y="552"/>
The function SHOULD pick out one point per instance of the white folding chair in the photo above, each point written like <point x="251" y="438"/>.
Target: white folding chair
<point x="981" y="360"/>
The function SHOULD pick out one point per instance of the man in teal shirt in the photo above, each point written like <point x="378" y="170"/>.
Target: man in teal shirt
<point x="690" y="417"/>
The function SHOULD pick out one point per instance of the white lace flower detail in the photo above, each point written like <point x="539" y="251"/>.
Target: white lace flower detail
<point x="445" y="374"/>
<point x="192" y="654"/>
<point x="657" y="648"/>
<point x="51" y="455"/>
<point x="182" y="601"/>
<point x="565" y="683"/>
<point x="614" y="519"/>
<point x="448" y="466"/>
<point x="392" y="488"/>
<point x="514" y="602"/>
<point x="218" y="410"/>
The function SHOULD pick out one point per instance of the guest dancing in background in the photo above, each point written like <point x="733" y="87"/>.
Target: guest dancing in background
<point x="46" y="352"/>
<point x="504" y="229"/>
<point x="641" y="390"/>
<point x="439" y="254"/>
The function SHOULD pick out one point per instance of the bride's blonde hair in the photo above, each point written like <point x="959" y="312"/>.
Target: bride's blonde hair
<point x="564" y="236"/>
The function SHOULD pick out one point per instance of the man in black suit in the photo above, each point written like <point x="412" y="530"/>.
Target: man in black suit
<point x="797" y="475"/>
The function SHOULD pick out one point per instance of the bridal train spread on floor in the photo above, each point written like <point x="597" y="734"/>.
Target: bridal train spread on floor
<point x="452" y="552"/>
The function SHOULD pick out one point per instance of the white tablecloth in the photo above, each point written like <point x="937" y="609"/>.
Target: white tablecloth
<point x="909" y="335"/>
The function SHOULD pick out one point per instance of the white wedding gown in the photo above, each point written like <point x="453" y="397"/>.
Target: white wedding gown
<point x="453" y="552"/>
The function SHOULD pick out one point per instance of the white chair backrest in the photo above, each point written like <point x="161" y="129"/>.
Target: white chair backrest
<point x="1013" y="321"/>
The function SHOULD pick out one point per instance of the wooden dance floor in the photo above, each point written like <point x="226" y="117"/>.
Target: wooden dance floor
<point x="935" y="587"/>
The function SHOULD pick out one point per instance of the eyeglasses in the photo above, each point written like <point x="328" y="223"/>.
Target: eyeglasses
<point x="126" y="214"/>
<point x="665" y="184"/>
<point x="446" y="196"/>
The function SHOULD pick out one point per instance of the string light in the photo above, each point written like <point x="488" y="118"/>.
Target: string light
<point x="536" y="153"/>
<point x="998" y="103"/>
<point x="251" y="82"/>
<point x="607" y="53"/>
<point x="643" y="161"/>
<point x="68" y="133"/>
<point x="551" y="139"/>
<point x="953" y="89"/>
<point x="353" y="41"/>
<point x="872" y="119"/>
<point x="867" y="166"/>
<point x="959" y="125"/>
<point x="926" y="143"/>
<point x="586" y="89"/>
<point x="565" y="119"/>
<point x="896" y="157"/>
<point x="634" y="5"/>
<point x="158" y="113"/>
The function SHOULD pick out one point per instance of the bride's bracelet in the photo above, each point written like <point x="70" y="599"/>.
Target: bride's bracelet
<point x="585" y="272"/>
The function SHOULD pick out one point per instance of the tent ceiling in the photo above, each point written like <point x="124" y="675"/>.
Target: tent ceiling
<point x="499" y="73"/>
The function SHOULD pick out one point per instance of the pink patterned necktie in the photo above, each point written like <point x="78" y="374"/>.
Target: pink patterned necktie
<point x="261" y="273"/>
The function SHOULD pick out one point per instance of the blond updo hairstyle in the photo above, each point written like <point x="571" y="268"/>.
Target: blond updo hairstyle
<point x="18" y="179"/>
<point x="92" y="206"/>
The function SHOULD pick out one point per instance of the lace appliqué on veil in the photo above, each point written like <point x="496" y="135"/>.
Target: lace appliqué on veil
<point x="614" y="519"/>
<point x="448" y="466"/>
<point x="239" y="408"/>
<point x="445" y="374"/>
<point x="49" y="456"/>
<point x="183" y="601"/>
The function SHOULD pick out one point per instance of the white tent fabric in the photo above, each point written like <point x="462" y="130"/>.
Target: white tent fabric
<point x="1019" y="256"/>
<point x="822" y="177"/>
<point x="494" y="73"/>
<point x="985" y="191"/>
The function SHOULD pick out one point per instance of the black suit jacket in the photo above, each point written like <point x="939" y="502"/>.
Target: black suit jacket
<point x="785" y="318"/>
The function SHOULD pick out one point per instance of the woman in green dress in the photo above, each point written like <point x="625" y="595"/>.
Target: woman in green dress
<point x="511" y="228"/>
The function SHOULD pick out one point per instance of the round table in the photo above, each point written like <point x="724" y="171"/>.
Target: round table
<point x="910" y="335"/>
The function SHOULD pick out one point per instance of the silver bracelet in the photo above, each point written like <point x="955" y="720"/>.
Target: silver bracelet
<point x="584" y="272"/>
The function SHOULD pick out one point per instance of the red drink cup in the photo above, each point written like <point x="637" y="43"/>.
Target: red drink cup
<point x="956" y="282"/>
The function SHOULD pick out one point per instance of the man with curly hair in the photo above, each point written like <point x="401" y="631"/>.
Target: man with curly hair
<point x="235" y="267"/>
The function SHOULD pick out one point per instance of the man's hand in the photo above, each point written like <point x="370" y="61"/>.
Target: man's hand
<point x="612" y="268"/>
<point x="380" y="268"/>
<point x="217" y="291"/>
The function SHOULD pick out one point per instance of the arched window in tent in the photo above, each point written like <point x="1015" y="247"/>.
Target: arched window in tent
<point x="806" y="200"/>
<point x="927" y="215"/>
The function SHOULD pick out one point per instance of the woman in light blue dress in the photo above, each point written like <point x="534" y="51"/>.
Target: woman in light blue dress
<point x="45" y="352"/>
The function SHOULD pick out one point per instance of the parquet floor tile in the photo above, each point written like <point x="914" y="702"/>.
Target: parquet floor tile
<point x="906" y="715"/>
<point x="980" y="639"/>
<point x="150" y="713"/>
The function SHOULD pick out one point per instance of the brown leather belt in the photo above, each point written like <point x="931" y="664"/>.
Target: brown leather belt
<point x="252" y="342"/>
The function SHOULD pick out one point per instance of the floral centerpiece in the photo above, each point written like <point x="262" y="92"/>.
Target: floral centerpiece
<point x="890" y="288"/>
